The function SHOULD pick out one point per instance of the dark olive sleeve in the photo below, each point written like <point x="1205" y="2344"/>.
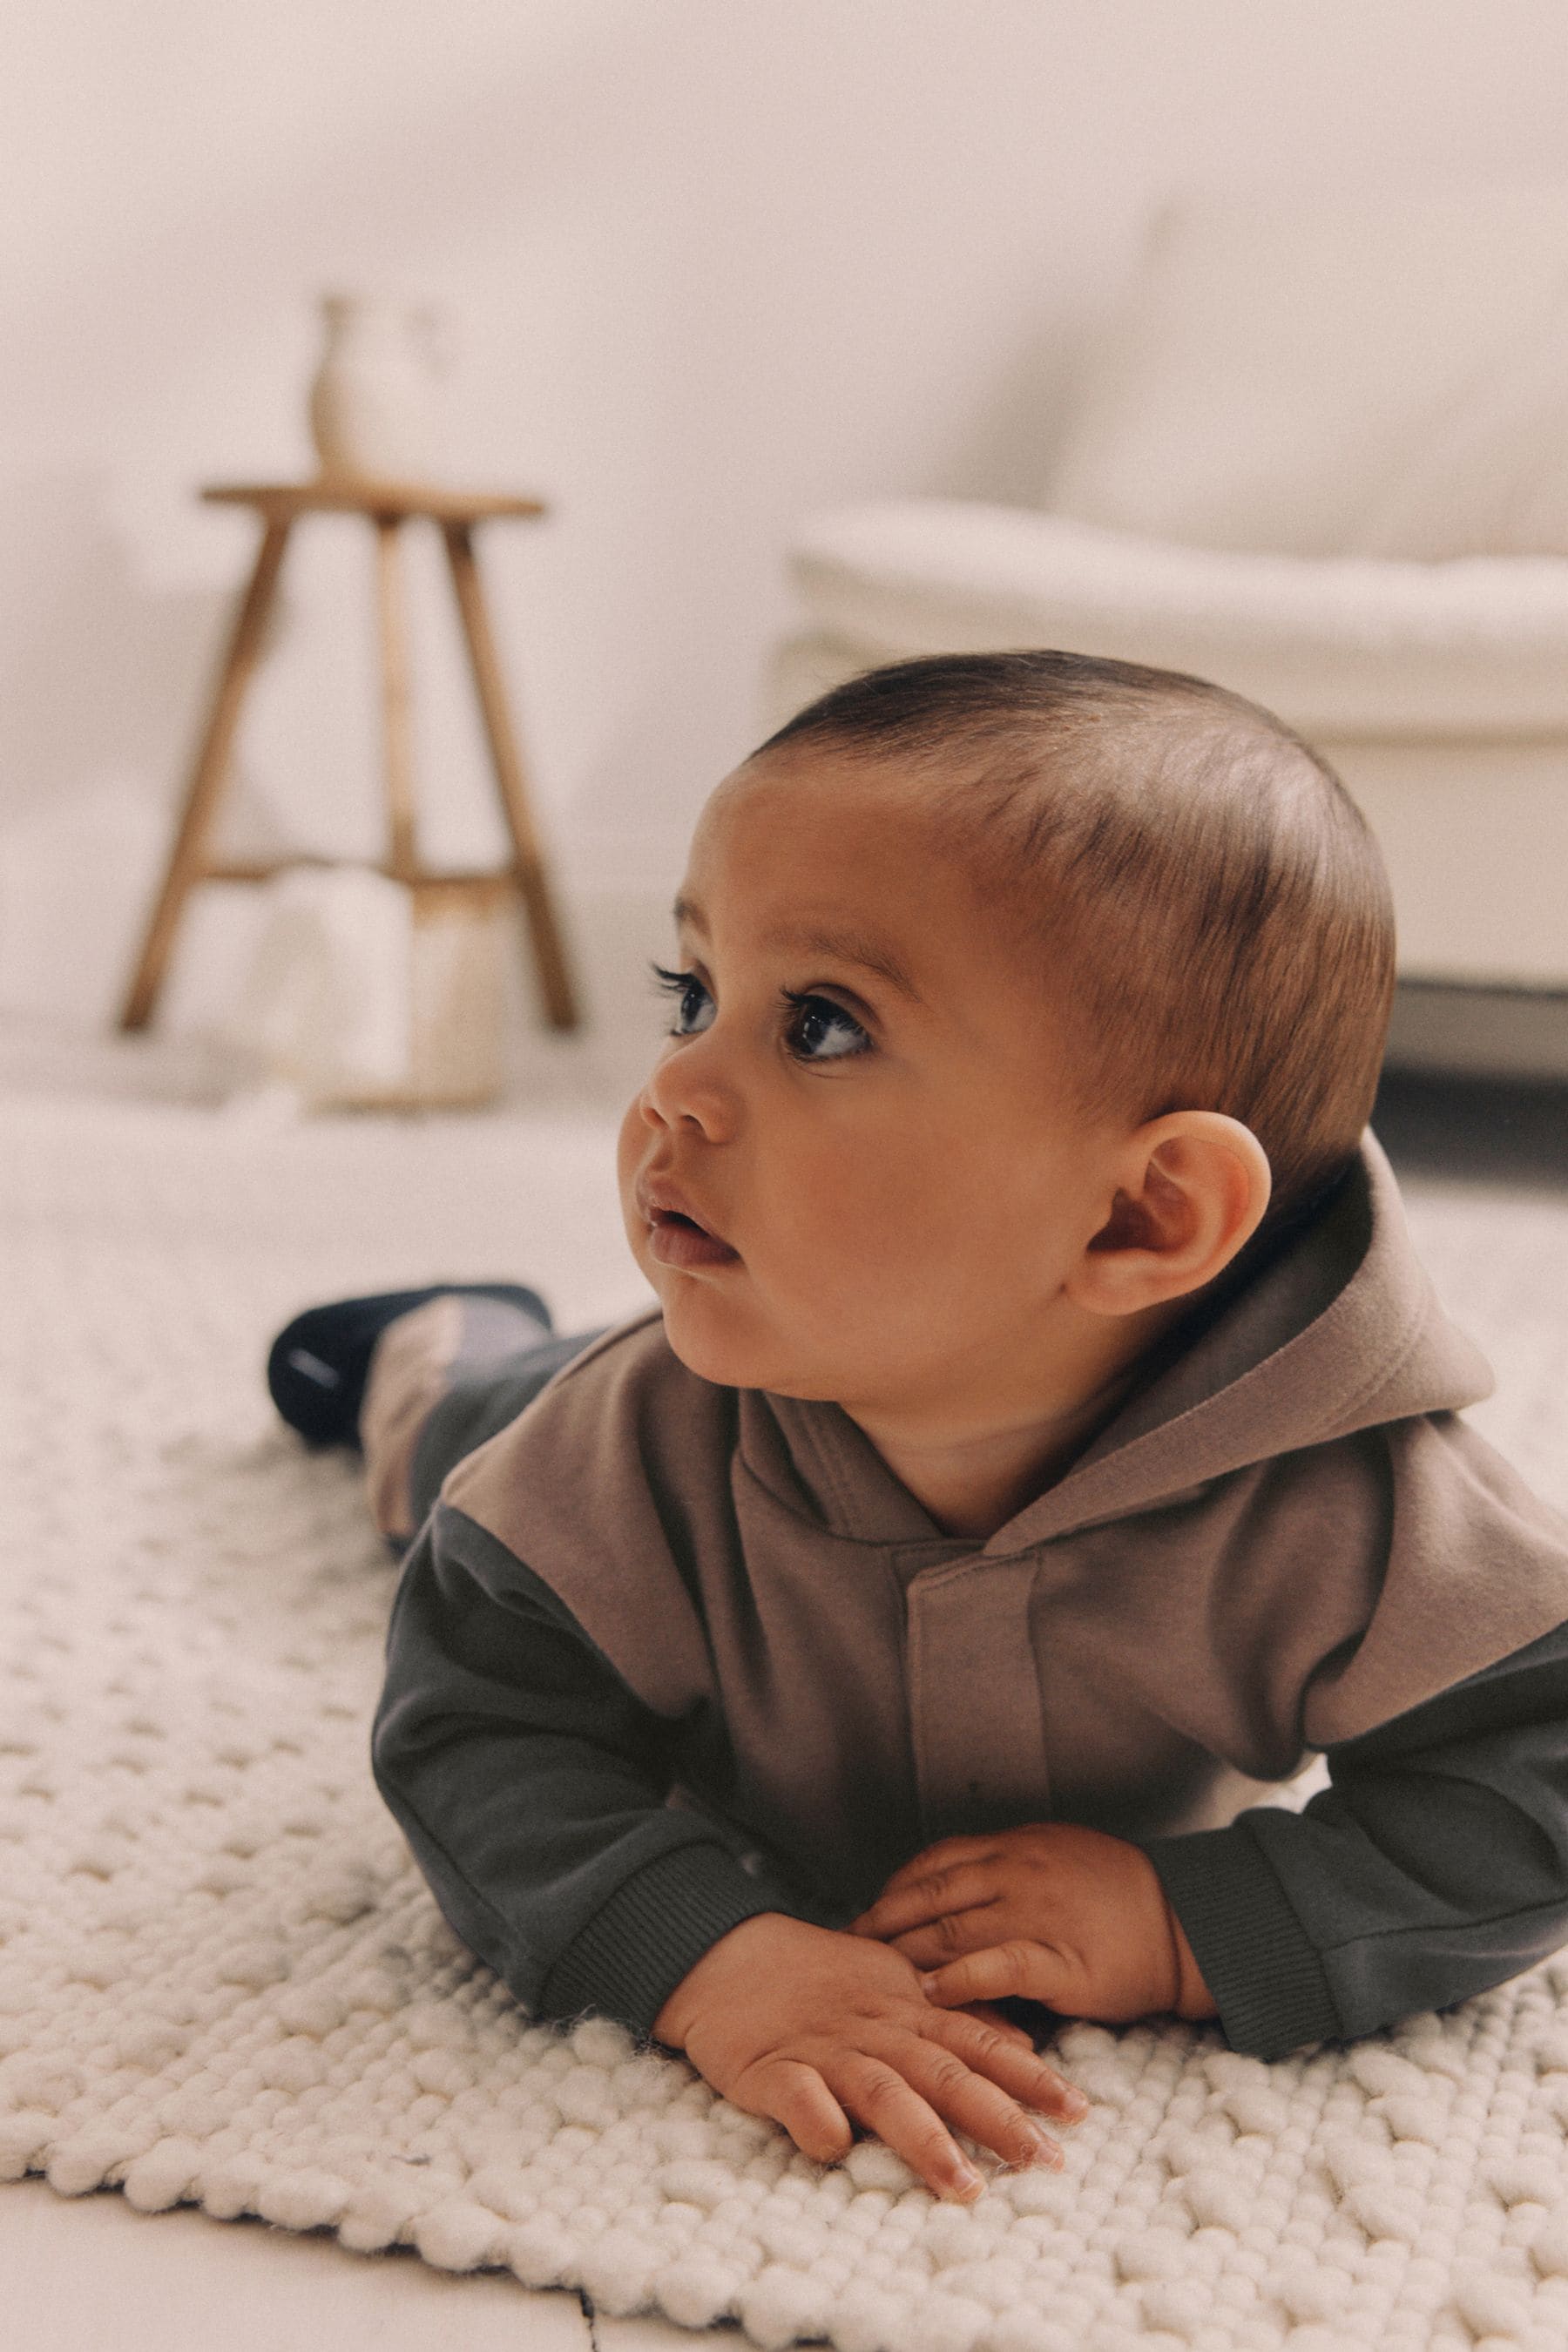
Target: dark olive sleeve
<point x="530" y="1784"/>
<point x="1434" y="1866"/>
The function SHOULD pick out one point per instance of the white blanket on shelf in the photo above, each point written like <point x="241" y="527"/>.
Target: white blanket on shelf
<point x="222" y="1981"/>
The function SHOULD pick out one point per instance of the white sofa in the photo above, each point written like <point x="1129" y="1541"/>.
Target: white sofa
<point x="1320" y="455"/>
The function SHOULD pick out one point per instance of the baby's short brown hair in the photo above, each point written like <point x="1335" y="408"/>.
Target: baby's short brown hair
<point x="1206" y="899"/>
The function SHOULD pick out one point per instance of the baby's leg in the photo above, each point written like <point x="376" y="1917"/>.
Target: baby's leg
<point x="443" y="1380"/>
<point x="414" y="1379"/>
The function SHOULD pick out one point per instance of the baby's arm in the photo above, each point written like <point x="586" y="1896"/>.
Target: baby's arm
<point x="1434" y="1866"/>
<point x="530" y="1783"/>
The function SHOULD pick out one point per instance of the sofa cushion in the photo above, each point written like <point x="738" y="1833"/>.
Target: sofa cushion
<point x="1379" y="372"/>
<point x="1348" y="646"/>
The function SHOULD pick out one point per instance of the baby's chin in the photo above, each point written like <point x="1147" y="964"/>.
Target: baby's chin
<point x="718" y="1349"/>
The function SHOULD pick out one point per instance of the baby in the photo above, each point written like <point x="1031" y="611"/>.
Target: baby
<point x="1044" y="1446"/>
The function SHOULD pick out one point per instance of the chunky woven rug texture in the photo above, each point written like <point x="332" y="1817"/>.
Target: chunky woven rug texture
<point x="223" y="1980"/>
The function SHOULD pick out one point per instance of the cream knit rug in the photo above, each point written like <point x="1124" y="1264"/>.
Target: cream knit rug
<point x="222" y="1980"/>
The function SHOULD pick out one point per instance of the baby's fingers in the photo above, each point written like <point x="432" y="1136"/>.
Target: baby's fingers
<point x="1023" y="2072"/>
<point x="968" y="2097"/>
<point x="793" y="2093"/>
<point x="1018" y="1969"/>
<point x="943" y="1855"/>
<point x="881" y="2097"/>
<point x="936" y="1896"/>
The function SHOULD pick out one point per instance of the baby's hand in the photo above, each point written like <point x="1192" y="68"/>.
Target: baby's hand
<point x="818" y="2029"/>
<point x="1053" y="1913"/>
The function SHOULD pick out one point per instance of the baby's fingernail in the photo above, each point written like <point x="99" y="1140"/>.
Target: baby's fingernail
<point x="928" y="1984"/>
<point x="1075" y="2106"/>
<point x="964" y="2179"/>
<point x="1049" y="2152"/>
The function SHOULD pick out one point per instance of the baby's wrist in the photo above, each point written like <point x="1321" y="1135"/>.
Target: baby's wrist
<point x="1194" y="1999"/>
<point x="707" y="1976"/>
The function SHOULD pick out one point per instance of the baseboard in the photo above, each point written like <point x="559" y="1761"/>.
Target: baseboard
<point x="1483" y="1032"/>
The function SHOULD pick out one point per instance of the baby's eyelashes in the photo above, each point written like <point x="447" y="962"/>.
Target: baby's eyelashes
<point x="813" y="1019"/>
<point x="681" y="985"/>
<point x="811" y="1010"/>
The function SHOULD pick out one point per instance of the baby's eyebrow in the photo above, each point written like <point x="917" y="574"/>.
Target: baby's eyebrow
<point x="849" y="947"/>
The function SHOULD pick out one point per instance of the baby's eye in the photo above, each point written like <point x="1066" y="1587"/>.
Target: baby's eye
<point x="684" y="986"/>
<point x="818" y="1019"/>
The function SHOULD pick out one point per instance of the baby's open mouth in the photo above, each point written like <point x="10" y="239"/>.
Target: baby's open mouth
<point x="679" y="1240"/>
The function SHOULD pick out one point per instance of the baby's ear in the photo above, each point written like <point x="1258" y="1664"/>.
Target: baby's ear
<point x="1190" y="1190"/>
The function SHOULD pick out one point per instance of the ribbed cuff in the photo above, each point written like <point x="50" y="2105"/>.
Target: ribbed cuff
<point x="1266" y="1977"/>
<point x="651" y="1932"/>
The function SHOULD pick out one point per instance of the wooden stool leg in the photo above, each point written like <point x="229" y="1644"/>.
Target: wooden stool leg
<point x="549" y="952"/>
<point x="186" y="860"/>
<point x="392" y="617"/>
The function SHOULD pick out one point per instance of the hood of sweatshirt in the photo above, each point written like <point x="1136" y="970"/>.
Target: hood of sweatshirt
<point x="1340" y="1330"/>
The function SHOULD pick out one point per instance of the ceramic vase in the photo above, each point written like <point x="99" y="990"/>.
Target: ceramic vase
<point x="373" y="399"/>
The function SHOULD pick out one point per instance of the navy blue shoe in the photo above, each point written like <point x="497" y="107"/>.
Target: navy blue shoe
<point x="318" y="1365"/>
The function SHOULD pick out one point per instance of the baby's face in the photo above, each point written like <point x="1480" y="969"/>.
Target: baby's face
<point x="896" y="1170"/>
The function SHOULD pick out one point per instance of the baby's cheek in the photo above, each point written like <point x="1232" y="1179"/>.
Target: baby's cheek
<point x="630" y="1146"/>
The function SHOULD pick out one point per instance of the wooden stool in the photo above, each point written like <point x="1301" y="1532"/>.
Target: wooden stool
<point x="388" y="505"/>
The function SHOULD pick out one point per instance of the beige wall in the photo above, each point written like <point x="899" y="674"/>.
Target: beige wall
<point x="709" y="264"/>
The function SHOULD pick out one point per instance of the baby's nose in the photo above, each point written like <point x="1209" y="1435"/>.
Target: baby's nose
<point x="684" y="1091"/>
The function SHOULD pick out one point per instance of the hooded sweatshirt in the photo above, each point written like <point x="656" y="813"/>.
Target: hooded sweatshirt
<point x="668" y="1653"/>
